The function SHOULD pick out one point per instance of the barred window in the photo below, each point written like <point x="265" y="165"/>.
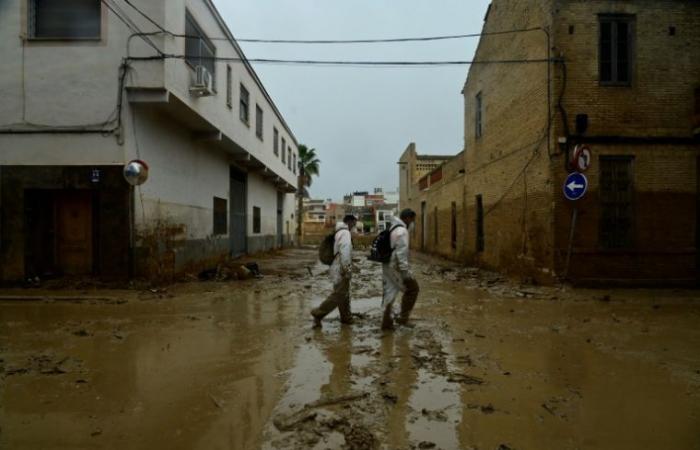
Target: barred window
<point x="258" y="121"/>
<point x="616" y="202"/>
<point x="199" y="51"/>
<point x="67" y="19"/>
<point x="244" y="105"/>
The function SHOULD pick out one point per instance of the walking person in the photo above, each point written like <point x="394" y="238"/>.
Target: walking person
<point x="340" y="274"/>
<point x="397" y="275"/>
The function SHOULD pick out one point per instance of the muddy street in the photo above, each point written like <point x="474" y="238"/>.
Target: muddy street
<point x="487" y="364"/>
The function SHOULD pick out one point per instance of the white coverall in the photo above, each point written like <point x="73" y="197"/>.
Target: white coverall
<point x="392" y="271"/>
<point x="340" y="274"/>
<point x="343" y="249"/>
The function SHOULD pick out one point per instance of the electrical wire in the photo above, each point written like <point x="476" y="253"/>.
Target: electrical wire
<point x="387" y="40"/>
<point x="342" y="62"/>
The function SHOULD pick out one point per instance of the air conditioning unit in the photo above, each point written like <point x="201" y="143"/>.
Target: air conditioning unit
<point x="203" y="84"/>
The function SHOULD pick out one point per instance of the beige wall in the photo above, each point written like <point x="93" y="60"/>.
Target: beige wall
<point x="509" y="164"/>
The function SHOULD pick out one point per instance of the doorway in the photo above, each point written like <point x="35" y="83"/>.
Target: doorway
<point x="479" y="224"/>
<point x="60" y="232"/>
<point x="280" y="219"/>
<point x="237" y="212"/>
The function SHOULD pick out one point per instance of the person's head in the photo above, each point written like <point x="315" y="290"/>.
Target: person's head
<point x="350" y="221"/>
<point x="408" y="216"/>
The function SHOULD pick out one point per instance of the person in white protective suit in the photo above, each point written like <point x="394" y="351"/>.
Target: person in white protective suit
<point x="397" y="275"/>
<point x="340" y="274"/>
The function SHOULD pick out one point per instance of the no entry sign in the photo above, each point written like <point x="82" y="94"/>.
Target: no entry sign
<point x="575" y="186"/>
<point x="582" y="158"/>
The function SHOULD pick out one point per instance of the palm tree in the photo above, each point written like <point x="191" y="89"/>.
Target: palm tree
<point x="308" y="168"/>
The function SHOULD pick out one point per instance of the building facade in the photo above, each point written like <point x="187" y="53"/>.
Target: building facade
<point x="620" y="78"/>
<point x="84" y="93"/>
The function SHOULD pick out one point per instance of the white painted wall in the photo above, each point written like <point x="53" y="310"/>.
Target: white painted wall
<point x="75" y="83"/>
<point x="184" y="176"/>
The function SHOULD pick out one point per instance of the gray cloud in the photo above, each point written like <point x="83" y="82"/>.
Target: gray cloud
<point x="361" y="119"/>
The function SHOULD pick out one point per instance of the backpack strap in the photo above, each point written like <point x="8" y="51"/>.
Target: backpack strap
<point x="334" y="238"/>
<point x="391" y="230"/>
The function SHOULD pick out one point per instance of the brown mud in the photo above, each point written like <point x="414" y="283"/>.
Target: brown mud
<point x="487" y="365"/>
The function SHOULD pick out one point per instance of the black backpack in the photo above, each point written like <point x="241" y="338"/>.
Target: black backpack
<point x="381" y="246"/>
<point x="325" y="251"/>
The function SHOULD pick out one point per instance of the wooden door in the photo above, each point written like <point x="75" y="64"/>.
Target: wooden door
<point x="73" y="211"/>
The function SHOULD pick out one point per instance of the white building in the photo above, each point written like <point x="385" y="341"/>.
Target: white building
<point x="82" y="94"/>
<point x="383" y="216"/>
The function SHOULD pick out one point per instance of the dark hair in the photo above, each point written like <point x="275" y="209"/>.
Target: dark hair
<point x="349" y="218"/>
<point x="408" y="213"/>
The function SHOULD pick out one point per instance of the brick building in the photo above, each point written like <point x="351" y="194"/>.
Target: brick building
<point x="622" y="78"/>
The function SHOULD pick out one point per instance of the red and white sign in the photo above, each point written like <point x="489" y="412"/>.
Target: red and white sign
<point x="582" y="158"/>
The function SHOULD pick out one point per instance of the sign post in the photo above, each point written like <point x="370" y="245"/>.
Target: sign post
<point x="575" y="188"/>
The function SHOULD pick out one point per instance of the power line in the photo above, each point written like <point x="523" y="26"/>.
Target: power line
<point x="388" y="40"/>
<point x="132" y="26"/>
<point x="335" y="41"/>
<point x="343" y="62"/>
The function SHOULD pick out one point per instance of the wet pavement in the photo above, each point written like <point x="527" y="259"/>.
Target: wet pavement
<point x="235" y="365"/>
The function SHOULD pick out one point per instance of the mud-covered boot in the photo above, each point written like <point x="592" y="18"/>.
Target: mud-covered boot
<point x="317" y="319"/>
<point x="387" y="320"/>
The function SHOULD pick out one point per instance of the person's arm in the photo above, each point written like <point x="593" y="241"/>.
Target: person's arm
<point x="345" y="250"/>
<point x="401" y="250"/>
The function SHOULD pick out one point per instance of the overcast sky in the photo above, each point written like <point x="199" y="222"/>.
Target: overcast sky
<point x="361" y="119"/>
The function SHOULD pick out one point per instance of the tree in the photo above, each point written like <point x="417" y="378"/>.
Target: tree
<point x="308" y="168"/>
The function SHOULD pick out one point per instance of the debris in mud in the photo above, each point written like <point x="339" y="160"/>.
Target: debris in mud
<point x="488" y="409"/>
<point x="81" y="332"/>
<point x="464" y="379"/>
<point x="439" y="416"/>
<point x="289" y="423"/>
<point x="392" y="398"/>
<point x="46" y="365"/>
<point x="504" y="447"/>
<point x="426" y="444"/>
<point x="359" y="438"/>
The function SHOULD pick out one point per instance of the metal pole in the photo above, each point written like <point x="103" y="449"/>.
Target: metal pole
<point x="574" y="215"/>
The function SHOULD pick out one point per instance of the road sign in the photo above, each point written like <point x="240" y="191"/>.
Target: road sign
<point x="582" y="158"/>
<point x="575" y="186"/>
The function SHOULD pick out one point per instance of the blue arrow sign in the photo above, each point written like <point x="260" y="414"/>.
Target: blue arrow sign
<point x="575" y="186"/>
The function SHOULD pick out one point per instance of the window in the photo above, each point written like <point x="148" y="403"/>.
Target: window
<point x="478" y="115"/>
<point x="229" y="81"/>
<point x="381" y="216"/>
<point x="258" y="121"/>
<point x="220" y="225"/>
<point x="284" y="154"/>
<point x="616" y="195"/>
<point x="243" y="106"/>
<point x="615" y="52"/>
<point x="199" y="51"/>
<point x="68" y="19"/>
<point x="480" y="224"/>
<point x="289" y="158"/>
<point x="294" y="164"/>
<point x="256" y="220"/>
<point x="275" y="143"/>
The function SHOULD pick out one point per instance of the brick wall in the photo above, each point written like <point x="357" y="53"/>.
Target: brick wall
<point x="509" y="165"/>
<point x="438" y="200"/>
<point x="658" y="104"/>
